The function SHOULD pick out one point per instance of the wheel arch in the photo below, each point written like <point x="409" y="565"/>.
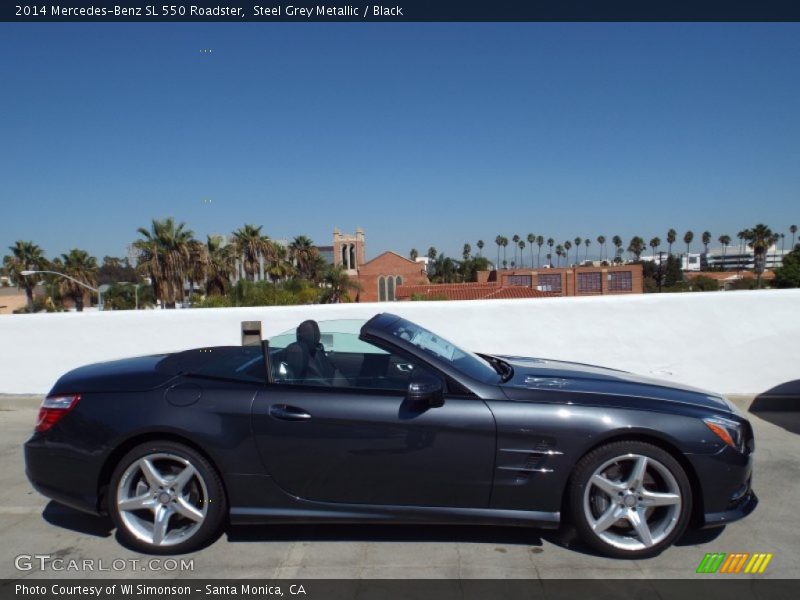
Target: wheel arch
<point x="111" y="461"/>
<point x="654" y="438"/>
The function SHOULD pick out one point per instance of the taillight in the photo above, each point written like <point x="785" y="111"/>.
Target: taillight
<point x="53" y="409"/>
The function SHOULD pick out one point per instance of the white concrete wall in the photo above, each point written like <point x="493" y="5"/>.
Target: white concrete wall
<point x="730" y="342"/>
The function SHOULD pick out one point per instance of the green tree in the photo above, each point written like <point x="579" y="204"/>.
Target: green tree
<point x="480" y="247"/>
<point x="78" y="265"/>
<point x="672" y="235"/>
<point x="338" y="286"/>
<point x="601" y="240"/>
<point x="521" y="245"/>
<point x="636" y="246"/>
<point x="759" y="239"/>
<point x="221" y="266"/>
<point x="793" y="231"/>
<point x="725" y="240"/>
<point x="578" y="242"/>
<point x="413" y="255"/>
<point x="515" y="238"/>
<point x="567" y="248"/>
<point x="706" y="239"/>
<point x="687" y="239"/>
<point x="466" y="251"/>
<point x="499" y="241"/>
<point x="531" y="241"/>
<point x="539" y="243"/>
<point x="654" y="244"/>
<point x="251" y="247"/>
<point x="25" y="256"/>
<point x="788" y="274"/>
<point x="164" y="255"/>
<point x="617" y="241"/>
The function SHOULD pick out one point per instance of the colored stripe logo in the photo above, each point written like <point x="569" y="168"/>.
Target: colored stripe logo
<point x="734" y="563"/>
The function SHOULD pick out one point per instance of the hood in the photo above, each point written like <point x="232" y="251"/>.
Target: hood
<point x="600" y="385"/>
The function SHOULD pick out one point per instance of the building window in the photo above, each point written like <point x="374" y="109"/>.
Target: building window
<point x="390" y="288"/>
<point x="549" y="282"/>
<point x="590" y="283"/>
<point x="620" y="281"/>
<point x="382" y="289"/>
<point x="520" y="280"/>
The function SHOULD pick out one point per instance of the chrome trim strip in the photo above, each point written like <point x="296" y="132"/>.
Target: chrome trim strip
<point x="532" y="451"/>
<point x="525" y="469"/>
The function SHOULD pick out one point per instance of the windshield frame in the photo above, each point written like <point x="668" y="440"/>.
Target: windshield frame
<point x="382" y="326"/>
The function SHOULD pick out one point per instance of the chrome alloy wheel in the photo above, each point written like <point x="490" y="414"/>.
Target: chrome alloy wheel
<point x="162" y="499"/>
<point x="632" y="502"/>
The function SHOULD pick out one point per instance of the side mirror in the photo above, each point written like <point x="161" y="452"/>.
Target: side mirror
<point x="425" y="388"/>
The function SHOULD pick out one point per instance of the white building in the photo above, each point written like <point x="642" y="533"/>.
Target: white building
<point x="692" y="263"/>
<point x="735" y="257"/>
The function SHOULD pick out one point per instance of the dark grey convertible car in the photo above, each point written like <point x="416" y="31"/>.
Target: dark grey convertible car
<point x="385" y="421"/>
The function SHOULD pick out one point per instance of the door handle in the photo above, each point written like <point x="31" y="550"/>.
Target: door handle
<point x="285" y="412"/>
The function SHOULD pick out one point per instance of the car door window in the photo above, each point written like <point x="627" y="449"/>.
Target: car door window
<point x="340" y="360"/>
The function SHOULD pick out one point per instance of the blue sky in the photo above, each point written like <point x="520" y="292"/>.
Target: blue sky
<point x="422" y="134"/>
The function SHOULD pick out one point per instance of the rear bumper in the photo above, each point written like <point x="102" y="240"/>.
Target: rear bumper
<point x="61" y="475"/>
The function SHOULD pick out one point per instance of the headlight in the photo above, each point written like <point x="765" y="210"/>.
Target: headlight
<point x="728" y="431"/>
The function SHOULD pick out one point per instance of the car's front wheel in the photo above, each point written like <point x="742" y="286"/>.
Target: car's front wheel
<point x="166" y="498"/>
<point x="630" y="499"/>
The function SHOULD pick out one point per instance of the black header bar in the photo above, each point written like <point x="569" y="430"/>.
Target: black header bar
<point x="267" y="11"/>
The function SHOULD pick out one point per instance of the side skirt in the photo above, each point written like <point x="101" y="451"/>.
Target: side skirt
<point x="324" y="512"/>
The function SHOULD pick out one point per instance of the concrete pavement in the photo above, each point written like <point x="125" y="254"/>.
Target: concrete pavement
<point x="33" y="526"/>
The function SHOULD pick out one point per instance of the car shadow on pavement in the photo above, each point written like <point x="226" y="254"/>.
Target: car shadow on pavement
<point x="74" y="520"/>
<point x="780" y="406"/>
<point x="522" y="536"/>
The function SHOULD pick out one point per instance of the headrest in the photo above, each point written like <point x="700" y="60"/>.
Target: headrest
<point x="308" y="333"/>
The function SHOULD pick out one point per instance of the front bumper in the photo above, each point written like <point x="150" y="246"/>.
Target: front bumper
<point x="725" y="481"/>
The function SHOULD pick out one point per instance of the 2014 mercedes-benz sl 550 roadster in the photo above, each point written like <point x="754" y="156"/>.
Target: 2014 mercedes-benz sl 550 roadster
<point x="384" y="421"/>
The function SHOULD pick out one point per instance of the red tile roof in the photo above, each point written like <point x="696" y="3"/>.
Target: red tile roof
<point x="468" y="291"/>
<point x="729" y="275"/>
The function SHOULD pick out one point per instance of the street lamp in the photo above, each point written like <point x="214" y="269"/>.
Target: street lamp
<point x="88" y="287"/>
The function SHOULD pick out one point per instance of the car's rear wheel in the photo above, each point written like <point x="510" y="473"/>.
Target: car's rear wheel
<point x="630" y="499"/>
<point x="166" y="498"/>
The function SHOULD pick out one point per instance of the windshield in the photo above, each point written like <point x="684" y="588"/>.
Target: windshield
<point x="434" y="345"/>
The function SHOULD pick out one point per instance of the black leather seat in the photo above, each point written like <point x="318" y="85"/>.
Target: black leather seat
<point x="306" y="357"/>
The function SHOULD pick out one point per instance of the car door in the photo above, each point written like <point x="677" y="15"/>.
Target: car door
<point x="359" y="440"/>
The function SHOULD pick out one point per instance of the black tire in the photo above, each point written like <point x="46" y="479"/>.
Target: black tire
<point x="579" y="502"/>
<point x="206" y="495"/>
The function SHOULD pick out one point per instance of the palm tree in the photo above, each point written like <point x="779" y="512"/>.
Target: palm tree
<point x="578" y="242"/>
<point x="793" y="231"/>
<point x="531" y="241"/>
<point x="250" y="247"/>
<point x="413" y="254"/>
<point x="521" y="245"/>
<point x="220" y="265"/>
<point x="164" y="256"/>
<point x="724" y="239"/>
<point x="559" y="253"/>
<point x="540" y="243"/>
<point x="567" y="248"/>
<point x="467" y="250"/>
<point x="480" y="247"/>
<point x="672" y="235"/>
<point x="81" y="267"/>
<point x="303" y="254"/>
<point x="587" y="242"/>
<point x="499" y="241"/>
<point x="197" y="270"/>
<point x="687" y="239"/>
<point x="515" y="238"/>
<point x="617" y="241"/>
<point x="759" y="238"/>
<point x="706" y="239"/>
<point x="432" y="253"/>
<point x="505" y="245"/>
<point x="654" y="244"/>
<point x="25" y="256"/>
<point x="338" y="285"/>
<point x="636" y="246"/>
<point x="549" y="258"/>
<point x="601" y="239"/>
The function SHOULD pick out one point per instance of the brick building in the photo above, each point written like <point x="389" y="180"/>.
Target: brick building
<point x="383" y="275"/>
<point x="572" y="281"/>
